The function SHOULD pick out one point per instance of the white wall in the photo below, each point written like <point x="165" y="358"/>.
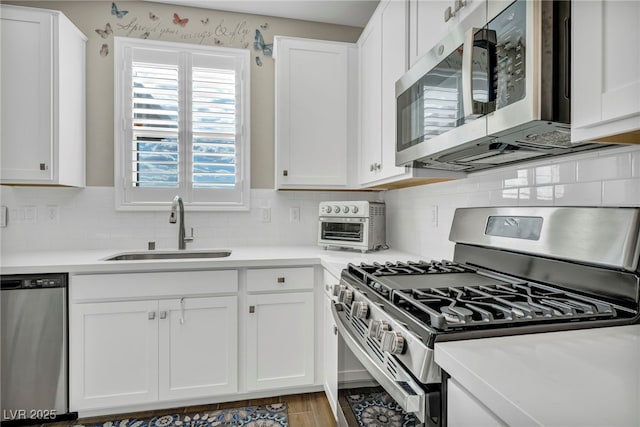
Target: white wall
<point x="605" y="178"/>
<point x="88" y="220"/>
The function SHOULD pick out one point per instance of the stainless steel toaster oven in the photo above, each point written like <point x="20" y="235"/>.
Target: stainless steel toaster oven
<point x="358" y="225"/>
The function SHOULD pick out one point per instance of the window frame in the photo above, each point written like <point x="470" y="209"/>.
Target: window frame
<point x="154" y="199"/>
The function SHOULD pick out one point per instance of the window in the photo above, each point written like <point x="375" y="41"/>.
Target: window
<point x="181" y="125"/>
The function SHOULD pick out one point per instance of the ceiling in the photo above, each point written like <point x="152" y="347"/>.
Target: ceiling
<point x="343" y="12"/>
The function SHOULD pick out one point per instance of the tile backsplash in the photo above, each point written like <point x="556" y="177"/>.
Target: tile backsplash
<point x="418" y="218"/>
<point x="71" y="218"/>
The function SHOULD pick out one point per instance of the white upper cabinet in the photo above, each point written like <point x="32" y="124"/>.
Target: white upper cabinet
<point x="315" y="113"/>
<point x="43" y="98"/>
<point x="605" y="73"/>
<point x="431" y="20"/>
<point x="382" y="61"/>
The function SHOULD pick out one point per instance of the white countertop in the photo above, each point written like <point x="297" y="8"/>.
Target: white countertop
<point x="92" y="261"/>
<point x="588" y="377"/>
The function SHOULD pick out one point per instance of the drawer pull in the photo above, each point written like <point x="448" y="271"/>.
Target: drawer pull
<point x="280" y="279"/>
<point x="163" y="314"/>
<point x="252" y="309"/>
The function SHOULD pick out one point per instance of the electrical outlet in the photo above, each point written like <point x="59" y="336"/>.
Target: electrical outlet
<point x="30" y="214"/>
<point x="52" y="214"/>
<point x="294" y="214"/>
<point x="3" y="216"/>
<point x="265" y="214"/>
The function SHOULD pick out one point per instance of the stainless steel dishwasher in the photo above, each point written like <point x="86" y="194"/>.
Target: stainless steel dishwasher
<point x="34" y="348"/>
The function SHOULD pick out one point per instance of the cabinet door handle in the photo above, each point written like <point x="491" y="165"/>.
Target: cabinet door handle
<point x="252" y="309"/>
<point x="151" y="315"/>
<point x="163" y="314"/>
<point x="280" y="279"/>
<point x="44" y="167"/>
<point x="285" y="173"/>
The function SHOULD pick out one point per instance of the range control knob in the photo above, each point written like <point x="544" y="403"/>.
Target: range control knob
<point x="337" y="289"/>
<point x="377" y="328"/>
<point x="360" y="309"/>
<point x="346" y="296"/>
<point x="328" y="209"/>
<point x="392" y="342"/>
<point x="336" y="209"/>
<point x="354" y="209"/>
<point x="345" y="209"/>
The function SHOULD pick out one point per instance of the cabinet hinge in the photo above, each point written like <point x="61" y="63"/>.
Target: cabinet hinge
<point x="252" y="309"/>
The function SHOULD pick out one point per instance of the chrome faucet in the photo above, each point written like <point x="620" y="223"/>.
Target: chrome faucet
<point x="177" y="207"/>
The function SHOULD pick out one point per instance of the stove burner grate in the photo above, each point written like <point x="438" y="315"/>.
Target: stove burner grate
<point x="508" y="303"/>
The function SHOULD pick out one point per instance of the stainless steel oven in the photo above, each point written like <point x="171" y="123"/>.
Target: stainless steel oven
<point x="514" y="271"/>
<point x="358" y="225"/>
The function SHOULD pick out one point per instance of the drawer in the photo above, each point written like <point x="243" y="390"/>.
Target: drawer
<point x="279" y="279"/>
<point x="152" y="285"/>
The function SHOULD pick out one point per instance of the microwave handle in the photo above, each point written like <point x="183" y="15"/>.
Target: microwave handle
<point x="485" y="38"/>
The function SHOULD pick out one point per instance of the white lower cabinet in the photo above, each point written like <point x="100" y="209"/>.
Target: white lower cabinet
<point x="280" y="338"/>
<point x="465" y="410"/>
<point x="133" y="352"/>
<point x="330" y="342"/>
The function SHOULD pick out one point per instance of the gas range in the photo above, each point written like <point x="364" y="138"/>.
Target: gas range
<point x="514" y="271"/>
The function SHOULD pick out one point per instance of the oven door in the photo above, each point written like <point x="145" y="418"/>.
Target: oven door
<point x="349" y="231"/>
<point x="386" y="390"/>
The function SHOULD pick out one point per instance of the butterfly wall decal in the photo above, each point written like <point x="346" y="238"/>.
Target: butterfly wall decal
<point x="153" y="16"/>
<point x="182" y="22"/>
<point x="145" y="35"/>
<point x="258" y="61"/>
<point x="104" y="50"/>
<point x="119" y="13"/>
<point x="105" y="33"/>
<point x="205" y="21"/>
<point x="259" y="44"/>
<point x="265" y="26"/>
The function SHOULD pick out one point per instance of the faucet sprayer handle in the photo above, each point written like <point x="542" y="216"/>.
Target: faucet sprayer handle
<point x="190" y="237"/>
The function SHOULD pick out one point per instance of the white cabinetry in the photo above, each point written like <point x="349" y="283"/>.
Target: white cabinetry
<point x="315" y="113"/>
<point x="330" y="344"/>
<point x="431" y="20"/>
<point x="124" y="350"/>
<point x="43" y="98"/>
<point x="605" y="72"/>
<point x="382" y="61"/>
<point x="280" y="338"/>
<point x="465" y="410"/>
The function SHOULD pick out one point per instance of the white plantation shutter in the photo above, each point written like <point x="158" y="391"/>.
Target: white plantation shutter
<point x="182" y="115"/>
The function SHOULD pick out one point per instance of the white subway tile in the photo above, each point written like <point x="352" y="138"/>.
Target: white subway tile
<point x="604" y="168"/>
<point x="555" y="173"/>
<point x="622" y="192"/>
<point x="535" y="196"/>
<point x="505" y="197"/>
<point x="521" y="177"/>
<point x="635" y="164"/>
<point x="578" y="194"/>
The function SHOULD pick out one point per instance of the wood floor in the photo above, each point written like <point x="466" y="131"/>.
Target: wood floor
<point x="305" y="410"/>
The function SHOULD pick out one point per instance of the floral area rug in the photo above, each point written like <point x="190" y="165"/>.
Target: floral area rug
<point x="250" y="416"/>
<point x="378" y="409"/>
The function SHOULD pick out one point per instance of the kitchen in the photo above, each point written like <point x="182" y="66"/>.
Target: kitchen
<point x="51" y="227"/>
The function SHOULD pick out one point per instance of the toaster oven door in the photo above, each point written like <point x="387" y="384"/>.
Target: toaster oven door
<point x="343" y="230"/>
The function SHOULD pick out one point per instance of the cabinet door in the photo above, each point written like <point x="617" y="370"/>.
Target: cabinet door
<point x="370" y="61"/>
<point x="427" y="26"/>
<point x="394" y="65"/>
<point x="464" y="410"/>
<point x="311" y="113"/>
<point x="280" y="340"/>
<point x="198" y="347"/>
<point x="605" y="94"/>
<point x="330" y="353"/>
<point x="113" y="354"/>
<point x="26" y="74"/>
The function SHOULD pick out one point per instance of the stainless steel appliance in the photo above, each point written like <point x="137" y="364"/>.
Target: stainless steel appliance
<point x="358" y="225"/>
<point x="495" y="91"/>
<point x="34" y="349"/>
<point x="514" y="271"/>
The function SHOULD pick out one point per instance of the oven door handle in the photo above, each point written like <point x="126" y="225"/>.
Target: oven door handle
<point x="408" y="394"/>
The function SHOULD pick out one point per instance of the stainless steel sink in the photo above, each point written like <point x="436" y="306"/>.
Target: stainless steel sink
<point x="138" y="256"/>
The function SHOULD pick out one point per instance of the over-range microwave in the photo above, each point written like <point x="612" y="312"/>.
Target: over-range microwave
<point x="495" y="91"/>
